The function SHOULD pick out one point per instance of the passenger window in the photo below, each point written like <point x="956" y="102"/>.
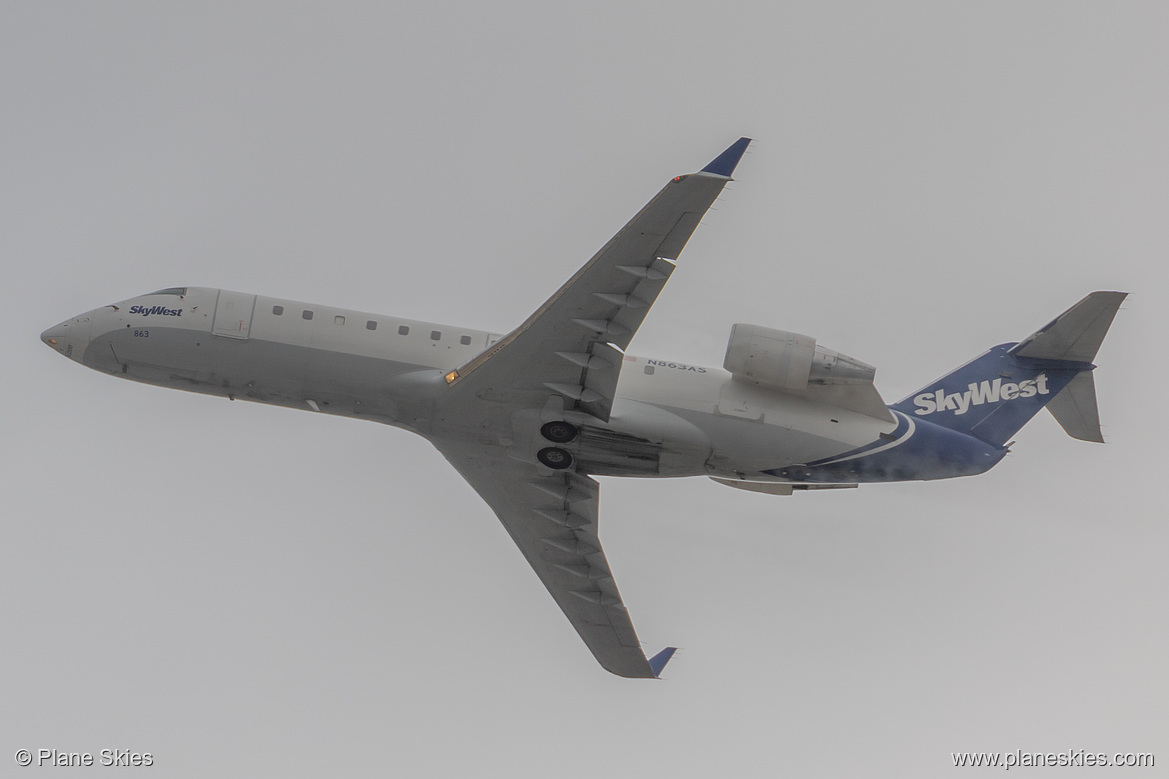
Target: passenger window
<point x="435" y="335"/>
<point x="338" y="320"/>
<point x="403" y="330"/>
<point x="277" y="310"/>
<point x="306" y="314"/>
<point x="649" y="370"/>
<point x="371" y="325"/>
<point x="465" y="340"/>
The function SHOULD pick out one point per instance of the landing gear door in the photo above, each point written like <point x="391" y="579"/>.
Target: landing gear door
<point x="233" y="314"/>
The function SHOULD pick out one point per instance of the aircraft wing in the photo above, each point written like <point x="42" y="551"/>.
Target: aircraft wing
<point x="567" y="357"/>
<point x="553" y="520"/>
<point x="573" y="344"/>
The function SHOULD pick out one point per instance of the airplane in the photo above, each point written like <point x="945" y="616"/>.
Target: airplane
<point x="530" y="418"/>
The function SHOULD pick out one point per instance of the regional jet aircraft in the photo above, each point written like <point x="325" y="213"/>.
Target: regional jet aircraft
<point x="531" y="417"/>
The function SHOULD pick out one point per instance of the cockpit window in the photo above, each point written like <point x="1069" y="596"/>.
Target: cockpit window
<point x="180" y="291"/>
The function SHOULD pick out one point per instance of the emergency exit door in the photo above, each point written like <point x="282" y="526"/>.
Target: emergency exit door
<point x="233" y="314"/>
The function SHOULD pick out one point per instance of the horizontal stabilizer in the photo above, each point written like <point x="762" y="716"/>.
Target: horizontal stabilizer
<point x="658" y="662"/>
<point x="1077" y="333"/>
<point x="1075" y="409"/>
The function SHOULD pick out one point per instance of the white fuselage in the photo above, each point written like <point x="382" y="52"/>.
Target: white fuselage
<point x="668" y="419"/>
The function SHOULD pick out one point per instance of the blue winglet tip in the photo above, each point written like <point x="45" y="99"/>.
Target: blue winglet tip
<point x="724" y="164"/>
<point x="658" y="662"/>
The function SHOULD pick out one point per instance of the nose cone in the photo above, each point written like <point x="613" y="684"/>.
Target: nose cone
<point x="69" y="338"/>
<point x="55" y="337"/>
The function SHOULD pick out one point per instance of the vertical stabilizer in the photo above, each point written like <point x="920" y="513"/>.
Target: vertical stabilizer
<point x="995" y="394"/>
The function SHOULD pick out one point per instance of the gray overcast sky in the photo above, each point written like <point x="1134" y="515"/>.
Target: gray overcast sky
<point x="246" y="591"/>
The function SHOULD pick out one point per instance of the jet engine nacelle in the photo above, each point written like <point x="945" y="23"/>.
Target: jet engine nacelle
<point x="789" y="361"/>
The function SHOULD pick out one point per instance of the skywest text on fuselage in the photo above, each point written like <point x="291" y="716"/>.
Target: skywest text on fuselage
<point x="159" y="310"/>
<point x="977" y="394"/>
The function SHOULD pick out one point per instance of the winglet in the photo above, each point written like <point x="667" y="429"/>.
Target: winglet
<point x="724" y="164"/>
<point x="657" y="663"/>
